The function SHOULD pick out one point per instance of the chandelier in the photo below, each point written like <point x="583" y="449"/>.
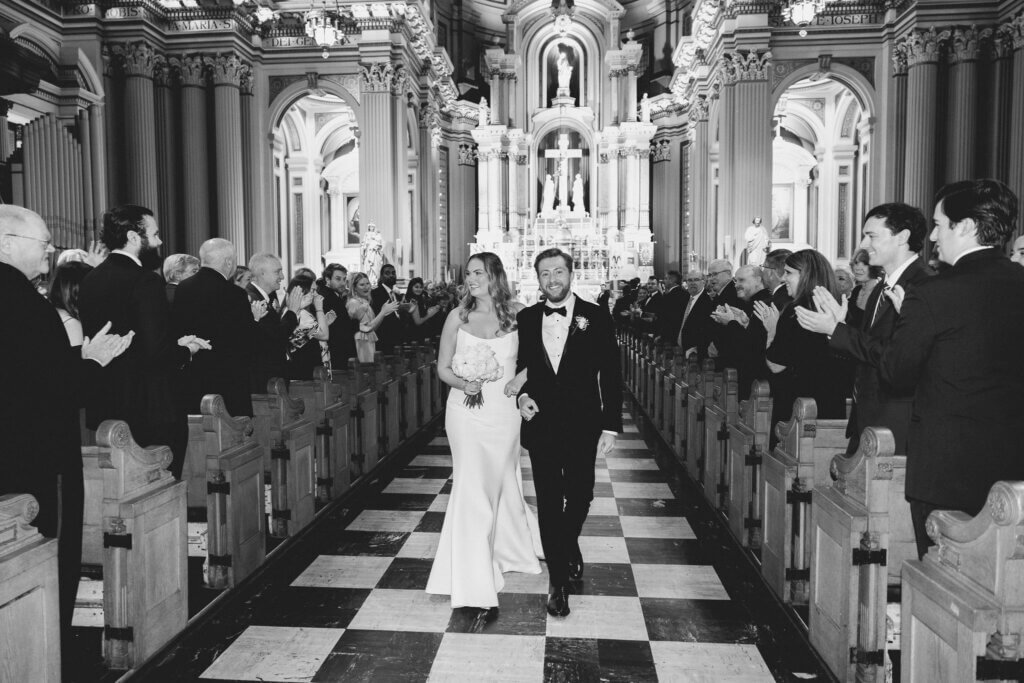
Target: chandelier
<point x="324" y="27"/>
<point x="802" y="12"/>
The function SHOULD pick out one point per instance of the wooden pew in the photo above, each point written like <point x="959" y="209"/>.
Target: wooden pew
<point x="963" y="605"/>
<point x="799" y="462"/>
<point x="143" y="543"/>
<point x="860" y="535"/>
<point x="720" y="411"/>
<point x="748" y="444"/>
<point x="364" y="404"/>
<point x="677" y="366"/>
<point x="236" y="526"/>
<point x="289" y="455"/>
<point x="29" y="595"/>
<point x="698" y="392"/>
<point x="389" y="403"/>
<point x="688" y="377"/>
<point x="327" y="407"/>
<point x="438" y="389"/>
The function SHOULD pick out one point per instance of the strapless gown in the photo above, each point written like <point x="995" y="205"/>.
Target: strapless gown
<point x="488" y="527"/>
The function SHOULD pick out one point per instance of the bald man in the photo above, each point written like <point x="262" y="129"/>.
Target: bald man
<point x="43" y="376"/>
<point x="209" y="305"/>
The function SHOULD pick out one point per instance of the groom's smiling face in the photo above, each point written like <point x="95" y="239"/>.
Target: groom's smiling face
<point x="555" y="278"/>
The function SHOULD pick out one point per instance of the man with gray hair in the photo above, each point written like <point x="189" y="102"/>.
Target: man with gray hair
<point x="742" y="335"/>
<point x="209" y="305"/>
<point x="276" y="326"/>
<point x="178" y="267"/>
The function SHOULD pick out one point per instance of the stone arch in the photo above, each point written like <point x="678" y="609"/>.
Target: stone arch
<point x="854" y="81"/>
<point x="299" y="89"/>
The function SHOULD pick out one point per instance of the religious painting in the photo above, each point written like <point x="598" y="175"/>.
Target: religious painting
<point x="563" y="67"/>
<point x="782" y="213"/>
<point x="645" y="252"/>
<point x="352" y="220"/>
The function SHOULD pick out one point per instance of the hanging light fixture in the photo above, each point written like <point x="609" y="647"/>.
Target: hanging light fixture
<point x="802" y="12"/>
<point x="324" y="27"/>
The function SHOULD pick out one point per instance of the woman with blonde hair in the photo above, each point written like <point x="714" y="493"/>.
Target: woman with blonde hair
<point x="360" y="310"/>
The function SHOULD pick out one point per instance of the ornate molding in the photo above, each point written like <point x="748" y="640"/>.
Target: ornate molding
<point x="661" y="151"/>
<point x="467" y="155"/>
<point x="136" y="59"/>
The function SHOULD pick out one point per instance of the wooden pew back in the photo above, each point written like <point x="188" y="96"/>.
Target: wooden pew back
<point x="748" y="445"/>
<point x="722" y="406"/>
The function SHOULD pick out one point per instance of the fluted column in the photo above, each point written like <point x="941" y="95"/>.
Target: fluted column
<point x="997" y="120"/>
<point x="896" y="120"/>
<point x="726" y="168"/>
<point x="428" y="239"/>
<point x="192" y="72"/>
<point x="632" y="158"/>
<point x="250" y="167"/>
<point x="227" y="72"/>
<point x="961" y="118"/>
<point x="752" y="151"/>
<point x="608" y="171"/>
<point x="167" y="152"/>
<point x="376" y="189"/>
<point x="399" y="167"/>
<point x="138" y="62"/>
<point x="923" y="53"/>
<point x="6" y="143"/>
<point x="1015" y="153"/>
<point x="700" y="169"/>
<point x="630" y="93"/>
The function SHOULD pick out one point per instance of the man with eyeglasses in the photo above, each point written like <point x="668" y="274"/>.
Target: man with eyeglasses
<point x="44" y="378"/>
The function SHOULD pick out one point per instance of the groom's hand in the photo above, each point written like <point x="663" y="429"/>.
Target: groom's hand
<point x="606" y="443"/>
<point x="528" y="407"/>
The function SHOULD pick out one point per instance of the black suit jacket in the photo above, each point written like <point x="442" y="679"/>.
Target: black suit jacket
<point x="585" y="396"/>
<point x="743" y="348"/>
<point x="271" y="351"/>
<point x="390" y="331"/>
<point x="781" y="297"/>
<point x="877" y="404"/>
<point x="671" y="306"/>
<point x="138" y="386"/>
<point x="697" y="330"/>
<point x="957" y="347"/>
<point x="342" y="339"/>
<point x="212" y="307"/>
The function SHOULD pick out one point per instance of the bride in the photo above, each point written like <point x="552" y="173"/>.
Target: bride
<point x="488" y="528"/>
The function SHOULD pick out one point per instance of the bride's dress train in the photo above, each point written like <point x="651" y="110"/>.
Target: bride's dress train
<point x="488" y="528"/>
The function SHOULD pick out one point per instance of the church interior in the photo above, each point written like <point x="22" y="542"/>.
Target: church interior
<point x="639" y="137"/>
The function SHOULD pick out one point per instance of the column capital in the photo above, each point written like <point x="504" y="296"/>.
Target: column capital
<point x="661" y="150"/>
<point x="750" y="66"/>
<point x="136" y="59"/>
<point x="227" y="69"/>
<point x="965" y="44"/>
<point x="377" y="77"/>
<point x="1014" y="31"/>
<point x="162" y="75"/>
<point x="699" y="109"/>
<point x="467" y="155"/>
<point x="5" y="107"/>
<point x="246" y="80"/>
<point x="191" y="69"/>
<point x="924" y="46"/>
<point x="899" y="58"/>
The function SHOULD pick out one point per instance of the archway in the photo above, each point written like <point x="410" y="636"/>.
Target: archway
<point x="820" y="167"/>
<point x="316" y="182"/>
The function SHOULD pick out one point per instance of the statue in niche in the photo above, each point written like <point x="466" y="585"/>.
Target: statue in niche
<point x="547" y="205"/>
<point x="758" y="243"/>
<point x="371" y="253"/>
<point x="645" y="109"/>
<point x="485" y="113"/>
<point x="564" y="70"/>
<point x="577" y="194"/>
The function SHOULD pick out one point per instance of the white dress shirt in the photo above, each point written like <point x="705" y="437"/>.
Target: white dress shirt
<point x="555" y="329"/>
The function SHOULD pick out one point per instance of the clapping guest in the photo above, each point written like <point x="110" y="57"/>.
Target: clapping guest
<point x="64" y="296"/>
<point x="804" y="357"/>
<point x="421" y="311"/>
<point x="389" y="331"/>
<point x="307" y="347"/>
<point x="276" y="322"/>
<point x="865" y="277"/>
<point x="359" y="309"/>
<point x="178" y="267"/>
<point x="844" y="278"/>
<point x="242" y="277"/>
<point x="334" y="289"/>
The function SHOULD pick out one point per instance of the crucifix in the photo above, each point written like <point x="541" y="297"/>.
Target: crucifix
<point x="563" y="154"/>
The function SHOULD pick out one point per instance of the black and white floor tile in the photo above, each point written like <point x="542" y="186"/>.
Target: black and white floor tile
<point x="353" y="607"/>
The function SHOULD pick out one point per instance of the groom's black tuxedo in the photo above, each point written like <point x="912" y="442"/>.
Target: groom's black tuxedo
<point x="575" y="404"/>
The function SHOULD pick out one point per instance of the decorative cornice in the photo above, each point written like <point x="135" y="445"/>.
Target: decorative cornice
<point x="136" y="59"/>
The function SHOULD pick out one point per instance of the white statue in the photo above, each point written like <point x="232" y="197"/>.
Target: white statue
<point x="371" y="253"/>
<point x="485" y="113"/>
<point x="548" y="199"/>
<point x="564" y="71"/>
<point x="577" y="194"/>
<point x="645" y="109"/>
<point x="758" y="243"/>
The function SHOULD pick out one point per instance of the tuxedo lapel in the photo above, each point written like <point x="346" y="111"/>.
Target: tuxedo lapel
<point x="539" y="315"/>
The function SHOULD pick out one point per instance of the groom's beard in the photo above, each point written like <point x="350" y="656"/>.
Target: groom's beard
<point x="566" y="291"/>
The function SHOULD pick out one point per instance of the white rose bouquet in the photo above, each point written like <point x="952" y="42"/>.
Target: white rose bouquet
<point x="477" y="363"/>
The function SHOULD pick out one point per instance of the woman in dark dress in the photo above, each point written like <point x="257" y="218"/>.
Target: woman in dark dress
<point x="808" y="367"/>
<point x="865" y="277"/>
<point x="305" y="350"/>
<point x="420" y="311"/>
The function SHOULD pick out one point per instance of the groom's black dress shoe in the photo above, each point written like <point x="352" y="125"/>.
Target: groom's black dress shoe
<point x="558" y="602"/>
<point x="576" y="570"/>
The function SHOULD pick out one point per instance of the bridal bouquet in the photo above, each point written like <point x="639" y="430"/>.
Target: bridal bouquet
<point x="477" y="363"/>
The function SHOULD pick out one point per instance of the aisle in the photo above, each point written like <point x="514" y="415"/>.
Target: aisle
<point x="351" y="606"/>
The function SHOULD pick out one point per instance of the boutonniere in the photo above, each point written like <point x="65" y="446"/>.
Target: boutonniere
<point x="581" y="322"/>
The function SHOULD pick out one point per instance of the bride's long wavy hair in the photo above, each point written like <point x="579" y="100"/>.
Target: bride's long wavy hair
<point x="497" y="287"/>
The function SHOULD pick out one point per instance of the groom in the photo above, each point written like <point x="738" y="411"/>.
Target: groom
<point x="572" y="410"/>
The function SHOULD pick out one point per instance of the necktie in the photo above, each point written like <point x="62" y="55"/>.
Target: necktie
<point x="560" y="311"/>
<point x="882" y="301"/>
<point x="272" y="299"/>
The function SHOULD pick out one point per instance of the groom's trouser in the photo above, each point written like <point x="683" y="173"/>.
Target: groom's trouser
<point x="563" y="477"/>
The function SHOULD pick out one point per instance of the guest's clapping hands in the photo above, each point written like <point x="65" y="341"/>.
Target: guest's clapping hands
<point x="97" y="253"/>
<point x="769" y="317"/>
<point x="896" y="295"/>
<point x="390" y="307"/>
<point x="828" y="315"/>
<point x="721" y="315"/>
<point x="259" y="309"/>
<point x="194" y="344"/>
<point x="105" y="347"/>
<point x="294" y="300"/>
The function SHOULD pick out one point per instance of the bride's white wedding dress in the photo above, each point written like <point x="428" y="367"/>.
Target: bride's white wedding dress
<point x="488" y="528"/>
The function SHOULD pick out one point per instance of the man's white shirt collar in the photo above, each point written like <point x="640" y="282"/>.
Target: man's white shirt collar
<point x="894" y="277"/>
<point x="133" y="257"/>
<point x="778" y="287"/>
<point x="970" y="251"/>
<point x="260" y="290"/>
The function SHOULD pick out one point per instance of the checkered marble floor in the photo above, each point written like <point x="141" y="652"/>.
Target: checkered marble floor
<point x="650" y="607"/>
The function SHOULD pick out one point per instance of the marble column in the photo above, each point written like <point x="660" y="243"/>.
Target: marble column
<point x="700" y="189"/>
<point x="6" y="141"/>
<point x="192" y="71"/>
<point x="250" y="167"/>
<point x="497" y="97"/>
<point x="167" y="151"/>
<point x="896" y="121"/>
<point x="227" y="70"/>
<point x="376" y="190"/>
<point x="631" y="101"/>
<point x="961" y="116"/>
<point x="137" y="62"/>
<point x="608" y="169"/>
<point x="997" y="121"/>
<point x="631" y="156"/>
<point x="924" y="50"/>
<point x="614" y="75"/>
<point x="400" y="170"/>
<point x="726" y="168"/>
<point x="1015" y="152"/>
<point x="428" y="239"/>
<point x="112" y="121"/>
<point x="98" y="162"/>
<point x="752" y="146"/>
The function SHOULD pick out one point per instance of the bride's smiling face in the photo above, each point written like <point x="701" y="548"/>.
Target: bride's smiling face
<point x="477" y="280"/>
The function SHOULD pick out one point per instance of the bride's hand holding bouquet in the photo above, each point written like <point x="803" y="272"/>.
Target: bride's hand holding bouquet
<point x="476" y="364"/>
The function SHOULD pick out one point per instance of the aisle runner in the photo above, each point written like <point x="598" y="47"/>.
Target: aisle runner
<point x="649" y="609"/>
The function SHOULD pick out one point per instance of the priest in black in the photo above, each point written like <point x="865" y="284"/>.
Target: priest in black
<point x="572" y="410"/>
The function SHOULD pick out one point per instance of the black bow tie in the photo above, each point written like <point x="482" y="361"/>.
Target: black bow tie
<point x="560" y="311"/>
